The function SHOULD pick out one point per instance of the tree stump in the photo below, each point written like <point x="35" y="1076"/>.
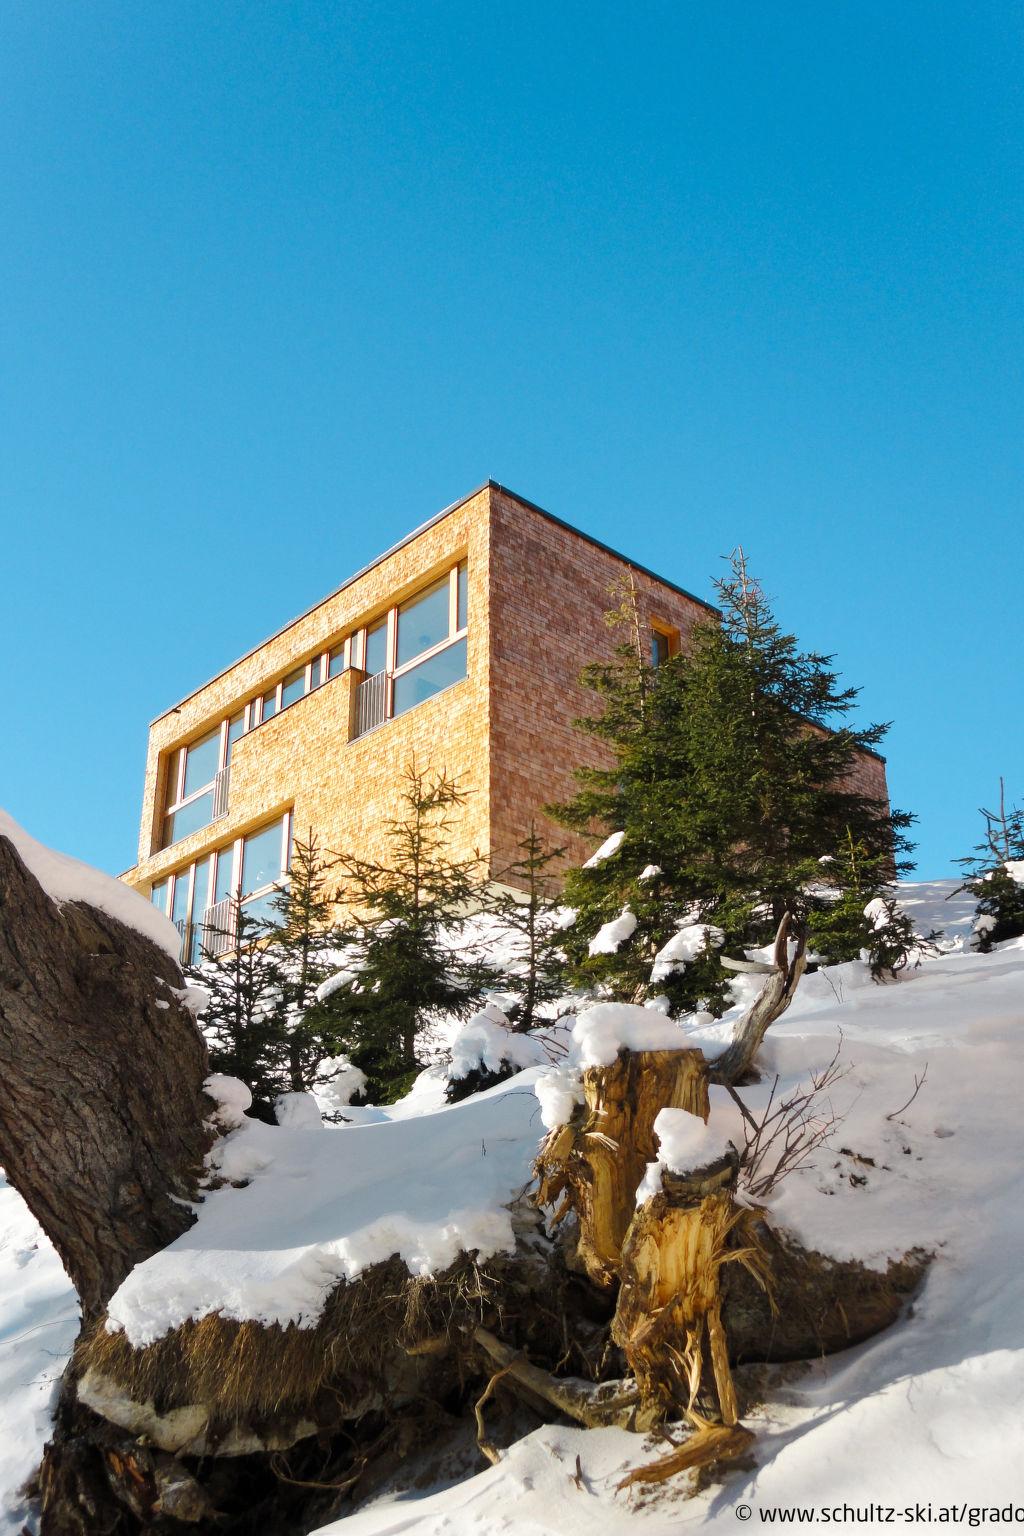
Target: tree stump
<point x="594" y="1164"/>
<point x="666" y="1254"/>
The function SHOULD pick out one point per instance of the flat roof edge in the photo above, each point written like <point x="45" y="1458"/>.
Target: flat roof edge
<point x="599" y="544"/>
<point x="348" y="582"/>
<point x="393" y="549"/>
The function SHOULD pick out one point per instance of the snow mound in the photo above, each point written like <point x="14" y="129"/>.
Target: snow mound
<point x="66" y="879"/>
<point x="612" y="935"/>
<point x="325" y="1204"/>
<point x="610" y="846"/>
<point x="486" y="1043"/>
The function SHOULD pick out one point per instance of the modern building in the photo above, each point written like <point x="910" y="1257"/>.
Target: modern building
<point x="460" y="648"/>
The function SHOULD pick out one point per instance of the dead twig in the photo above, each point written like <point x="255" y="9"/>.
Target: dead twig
<point x="789" y="1130"/>
<point x="487" y="1448"/>
<point x="918" y="1085"/>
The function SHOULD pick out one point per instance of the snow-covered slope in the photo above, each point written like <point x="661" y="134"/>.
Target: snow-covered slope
<point x="931" y="1411"/>
<point x="38" y="1324"/>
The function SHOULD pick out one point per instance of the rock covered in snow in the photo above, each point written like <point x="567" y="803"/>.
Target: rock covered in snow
<point x="298" y="1112"/>
<point x="66" y="879"/>
<point x="486" y="1043"/>
<point x="337" y="1083"/>
<point x="232" y="1098"/>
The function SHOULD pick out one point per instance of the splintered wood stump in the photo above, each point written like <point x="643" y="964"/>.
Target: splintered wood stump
<point x="594" y="1164"/>
<point x="665" y="1255"/>
<point x="668" y="1320"/>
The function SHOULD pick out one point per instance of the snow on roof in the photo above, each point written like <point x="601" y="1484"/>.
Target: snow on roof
<point x="66" y="879"/>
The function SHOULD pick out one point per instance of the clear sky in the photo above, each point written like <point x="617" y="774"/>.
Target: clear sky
<point x="278" y="281"/>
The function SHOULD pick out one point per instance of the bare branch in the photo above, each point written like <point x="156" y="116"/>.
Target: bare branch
<point x="918" y="1085"/>
<point x="771" y="1002"/>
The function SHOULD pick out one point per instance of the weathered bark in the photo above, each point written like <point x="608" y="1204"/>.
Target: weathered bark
<point x="594" y="1164"/>
<point x="666" y="1254"/>
<point x="669" y="1315"/>
<point x="771" y="1002"/>
<point x="101" y="1126"/>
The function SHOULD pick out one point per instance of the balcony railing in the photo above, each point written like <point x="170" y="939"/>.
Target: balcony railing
<point x="371" y="703"/>
<point x="215" y="935"/>
<point x="220" y="925"/>
<point x="220" y="793"/>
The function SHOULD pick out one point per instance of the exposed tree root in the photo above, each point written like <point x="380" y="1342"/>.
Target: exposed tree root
<point x="707" y="1445"/>
<point x="612" y="1403"/>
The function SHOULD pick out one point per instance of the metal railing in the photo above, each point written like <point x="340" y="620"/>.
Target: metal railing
<point x="215" y="935"/>
<point x="220" y="927"/>
<point x="371" y="703"/>
<point x="220" y="793"/>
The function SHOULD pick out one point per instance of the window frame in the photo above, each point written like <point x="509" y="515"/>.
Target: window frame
<point x="234" y="851"/>
<point x="670" y="635"/>
<point x="352" y="649"/>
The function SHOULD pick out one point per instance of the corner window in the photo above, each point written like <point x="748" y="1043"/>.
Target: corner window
<point x="423" y="624"/>
<point x="421" y="682"/>
<point x="195" y="793"/>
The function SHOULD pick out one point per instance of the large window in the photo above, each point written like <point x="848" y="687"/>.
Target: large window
<point x="200" y="898"/>
<point x="196" y="781"/>
<point x="414" y="651"/>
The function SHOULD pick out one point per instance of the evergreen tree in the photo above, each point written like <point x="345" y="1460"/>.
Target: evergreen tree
<point x="242" y="1022"/>
<point x="306" y="942"/>
<point x="995" y="874"/>
<point x="730" y="775"/>
<point x="863" y="916"/>
<point x="532" y="912"/>
<point x="404" y="938"/>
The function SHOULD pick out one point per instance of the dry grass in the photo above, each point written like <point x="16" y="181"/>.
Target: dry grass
<point x="377" y="1335"/>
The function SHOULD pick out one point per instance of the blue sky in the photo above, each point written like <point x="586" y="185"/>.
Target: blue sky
<point x="278" y="281"/>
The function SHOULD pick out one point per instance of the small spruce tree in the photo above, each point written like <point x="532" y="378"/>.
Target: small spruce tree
<point x="731" y="775"/>
<point x="306" y="941"/>
<point x="242" y="1021"/>
<point x="532" y="913"/>
<point x="859" y="915"/>
<point x="995" y="876"/>
<point x="404" y="937"/>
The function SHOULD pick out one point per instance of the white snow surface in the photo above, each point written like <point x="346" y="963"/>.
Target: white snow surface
<point x="325" y="1203"/>
<point x="66" y="879"/>
<point x="38" y="1324"/>
<point x="608" y="847"/>
<point x="930" y="1410"/>
<point x="612" y="935"/>
<point x="486" y="1042"/>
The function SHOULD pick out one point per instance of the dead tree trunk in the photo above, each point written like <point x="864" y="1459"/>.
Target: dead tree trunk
<point x="101" y="1124"/>
<point x="102" y="1133"/>
<point x="594" y="1164"/>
